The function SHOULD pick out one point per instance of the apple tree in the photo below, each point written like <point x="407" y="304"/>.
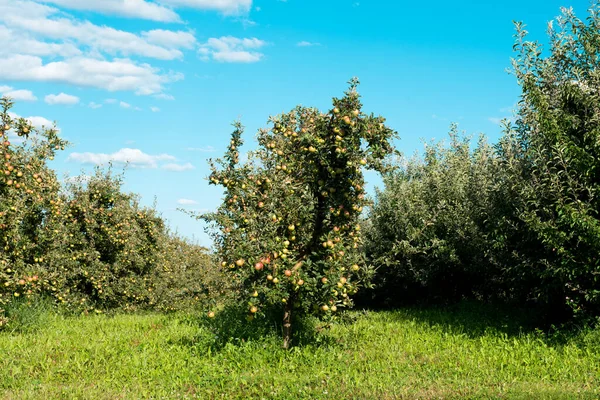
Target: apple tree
<point x="29" y="191"/>
<point x="288" y="228"/>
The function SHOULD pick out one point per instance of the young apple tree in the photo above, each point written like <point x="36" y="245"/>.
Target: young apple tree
<point x="287" y="229"/>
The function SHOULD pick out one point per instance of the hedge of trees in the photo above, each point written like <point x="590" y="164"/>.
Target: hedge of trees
<point x="86" y="244"/>
<point x="519" y="220"/>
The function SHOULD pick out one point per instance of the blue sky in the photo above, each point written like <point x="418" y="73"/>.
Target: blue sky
<point x="159" y="83"/>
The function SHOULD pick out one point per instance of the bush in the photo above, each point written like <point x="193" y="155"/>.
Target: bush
<point x="428" y="229"/>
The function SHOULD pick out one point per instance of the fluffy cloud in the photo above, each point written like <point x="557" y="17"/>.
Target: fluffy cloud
<point x="186" y="202"/>
<point x="99" y="38"/>
<point x="135" y="157"/>
<point x="62" y="99"/>
<point x="19" y="42"/>
<point x="119" y="74"/>
<point x="178" y="167"/>
<point x="144" y="9"/>
<point x="154" y="109"/>
<point x="41" y="43"/>
<point x="36" y="121"/>
<point x="225" y="6"/>
<point x="94" y="105"/>
<point x="170" y="39"/>
<point x="164" y="96"/>
<point x="304" y="43"/>
<point x="126" y="8"/>
<point x="231" y="49"/>
<point x="122" y="104"/>
<point x="19" y="95"/>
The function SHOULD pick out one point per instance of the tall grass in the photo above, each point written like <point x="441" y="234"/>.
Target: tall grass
<point x="410" y="353"/>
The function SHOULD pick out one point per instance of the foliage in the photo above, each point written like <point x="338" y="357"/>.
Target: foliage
<point x="28" y="196"/>
<point x="287" y="229"/>
<point x="86" y="244"/>
<point x="428" y="229"/>
<point x="552" y="152"/>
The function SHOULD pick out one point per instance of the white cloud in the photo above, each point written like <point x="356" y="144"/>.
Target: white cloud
<point x="231" y="49"/>
<point x="135" y="157"/>
<point x="5" y="89"/>
<point x="36" y="121"/>
<point x="154" y="109"/>
<point x="94" y="105"/>
<point x="170" y="39"/>
<point x="22" y="43"/>
<point x="62" y="99"/>
<point x="124" y="105"/>
<point x="164" y="96"/>
<point x="304" y="43"/>
<point x="126" y="8"/>
<point x="225" y="6"/>
<point x="116" y="75"/>
<point x="151" y="11"/>
<point x="110" y="101"/>
<point x="40" y="122"/>
<point x="187" y="202"/>
<point x="178" y="167"/>
<point x="51" y="24"/>
<point x="20" y="95"/>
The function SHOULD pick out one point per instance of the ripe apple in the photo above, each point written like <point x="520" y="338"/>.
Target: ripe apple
<point x="300" y="282"/>
<point x="288" y="273"/>
<point x="253" y="309"/>
<point x="259" y="266"/>
<point x="211" y="314"/>
<point x="333" y="308"/>
<point x="324" y="280"/>
<point x="325" y="307"/>
<point x="240" y="262"/>
<point x="275" y="280"/>
<point x="255" y="294"/>
<point x="269" y="277"/>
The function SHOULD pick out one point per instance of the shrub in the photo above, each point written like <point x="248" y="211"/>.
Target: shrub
<point x="428" y="229"/>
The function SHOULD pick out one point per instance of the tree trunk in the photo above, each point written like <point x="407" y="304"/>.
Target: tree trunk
<point x="287" y="325"/>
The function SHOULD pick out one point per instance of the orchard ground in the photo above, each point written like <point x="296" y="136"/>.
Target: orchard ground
<point x="464" y="351"/>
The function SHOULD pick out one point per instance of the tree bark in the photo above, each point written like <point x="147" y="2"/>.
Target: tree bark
<point x="287" y="325"/>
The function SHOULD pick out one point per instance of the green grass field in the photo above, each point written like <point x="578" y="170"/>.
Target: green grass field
<point x="427" y="354"/>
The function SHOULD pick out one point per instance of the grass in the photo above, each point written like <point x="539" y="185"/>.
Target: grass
<point x="462" y="352"/>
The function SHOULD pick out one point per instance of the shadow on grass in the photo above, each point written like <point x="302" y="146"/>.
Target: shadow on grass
<point x="476" y="319"/>
<point x="231" y="326"/>
<point x="26" y="315"/>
